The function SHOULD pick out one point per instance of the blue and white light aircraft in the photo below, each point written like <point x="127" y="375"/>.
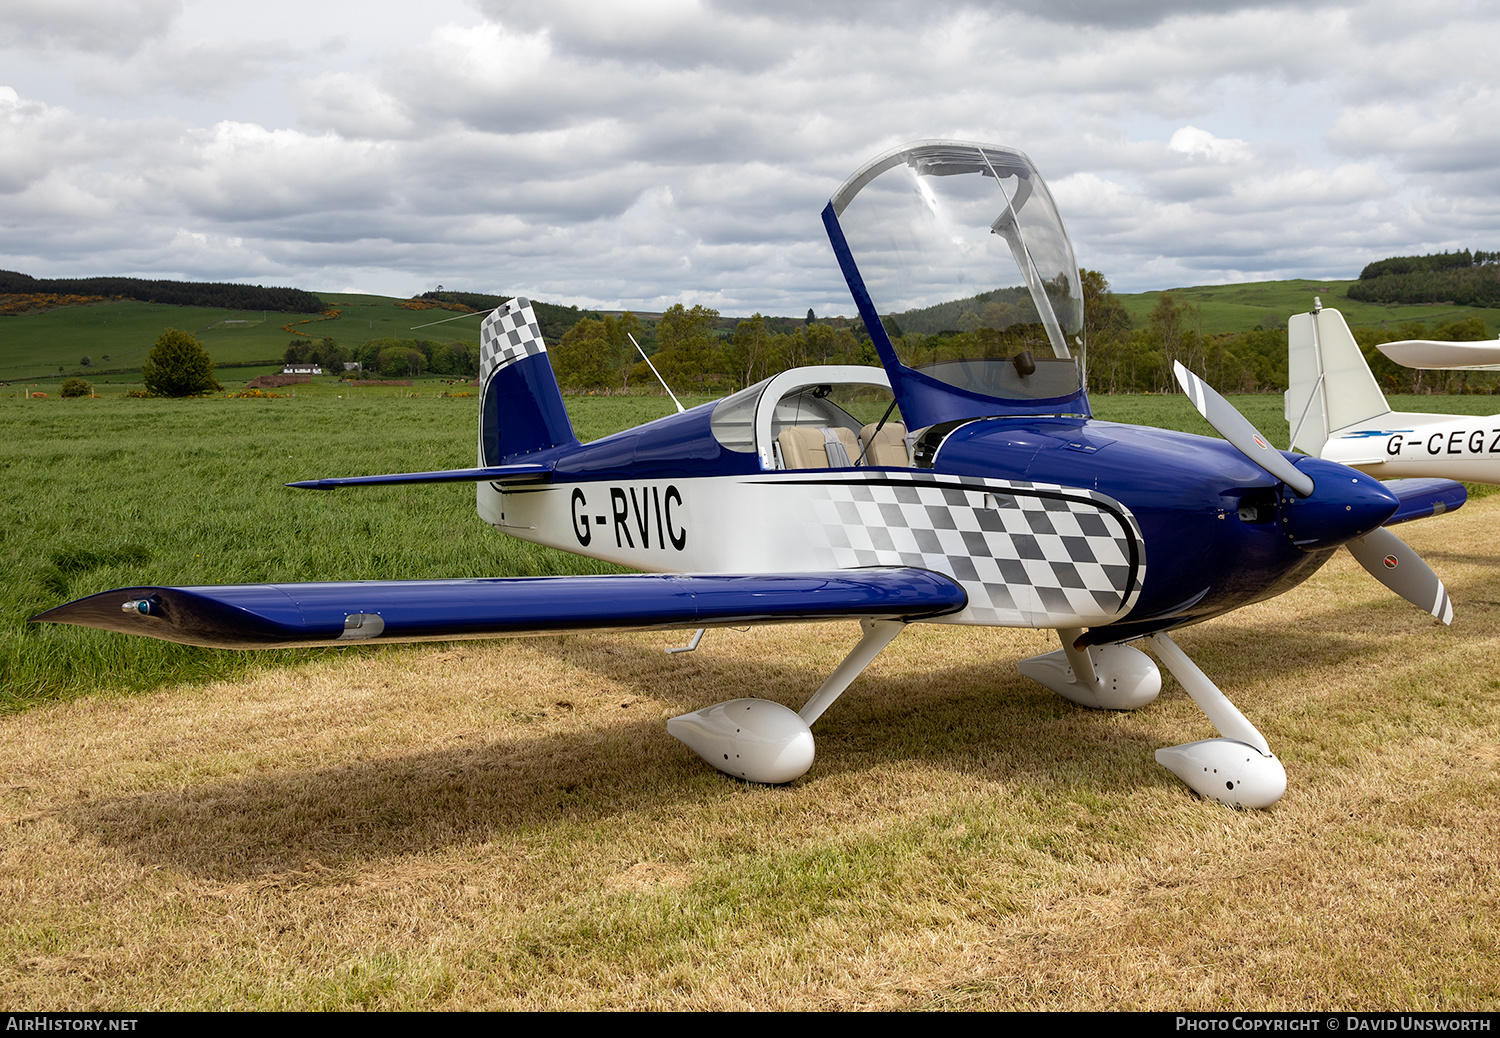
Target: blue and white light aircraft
<point x="985" y="495"/>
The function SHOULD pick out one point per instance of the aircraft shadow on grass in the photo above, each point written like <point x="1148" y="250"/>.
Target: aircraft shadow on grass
<point x="991" y="723"/>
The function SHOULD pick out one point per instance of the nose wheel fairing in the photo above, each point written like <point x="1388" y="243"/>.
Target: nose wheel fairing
<point x="1238" y="769"/>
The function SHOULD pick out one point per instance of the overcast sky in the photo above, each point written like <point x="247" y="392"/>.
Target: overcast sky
<point x="637" y="153"/>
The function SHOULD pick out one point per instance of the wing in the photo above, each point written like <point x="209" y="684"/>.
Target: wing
<point x="263" y="616"/>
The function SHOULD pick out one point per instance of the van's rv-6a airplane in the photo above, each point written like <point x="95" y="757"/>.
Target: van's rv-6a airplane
<point x="991" y="498"/>
<point x="1337" y="411"/>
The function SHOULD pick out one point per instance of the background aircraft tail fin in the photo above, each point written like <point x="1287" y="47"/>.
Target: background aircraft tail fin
<point x="1330" y="385"/>
<point x="521" y="406"/>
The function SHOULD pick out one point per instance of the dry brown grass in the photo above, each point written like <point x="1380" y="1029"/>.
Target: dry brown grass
<point x="508" y="825"/>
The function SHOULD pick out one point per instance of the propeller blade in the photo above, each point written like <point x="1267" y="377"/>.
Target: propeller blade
<point x="1383" y="555"/>
<point x="1390" y="561"/>
<point x="1236" y="428"/>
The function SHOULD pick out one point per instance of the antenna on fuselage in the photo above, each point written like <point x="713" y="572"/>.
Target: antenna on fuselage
<point x="445" y="320"/>
<point x="663" y="381"/>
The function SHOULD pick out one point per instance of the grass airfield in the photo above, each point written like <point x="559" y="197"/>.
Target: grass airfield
<point x="506" y="824"/>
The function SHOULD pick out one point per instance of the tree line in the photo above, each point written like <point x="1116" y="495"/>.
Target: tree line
<point x="1422" y="264"/>
<point x="697" y="351"/>
<point x="1467" y="278"/>
<point x="1464" y="286"/>
<point x="176" y="293"/>
<point x="388" y="357"/>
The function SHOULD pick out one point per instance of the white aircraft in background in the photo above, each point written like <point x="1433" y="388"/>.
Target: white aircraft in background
<point x="1337" y="412"/>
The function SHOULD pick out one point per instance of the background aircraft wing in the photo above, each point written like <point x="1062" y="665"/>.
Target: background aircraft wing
<point x="1453" y="356"/>
<point x="244" y="616"/>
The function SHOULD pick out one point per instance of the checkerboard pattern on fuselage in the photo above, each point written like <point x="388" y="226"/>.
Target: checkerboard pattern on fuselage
<point x="1028" y="554"/>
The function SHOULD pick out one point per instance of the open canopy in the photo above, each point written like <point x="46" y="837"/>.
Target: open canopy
<point x="964" y="260"/>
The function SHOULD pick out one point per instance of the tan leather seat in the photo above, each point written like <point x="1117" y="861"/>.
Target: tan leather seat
<point x="886" y="448"/>
<point x="806" y="447"/>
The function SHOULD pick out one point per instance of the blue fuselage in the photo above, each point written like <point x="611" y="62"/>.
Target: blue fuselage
<point x="1212" y="520"/>
<point x="1217" y="529"/>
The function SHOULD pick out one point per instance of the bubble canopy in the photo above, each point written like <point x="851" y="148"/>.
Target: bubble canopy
<point x="958" y="251"/>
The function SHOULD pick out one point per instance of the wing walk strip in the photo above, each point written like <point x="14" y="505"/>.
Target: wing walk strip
<point x="242" y="616"/>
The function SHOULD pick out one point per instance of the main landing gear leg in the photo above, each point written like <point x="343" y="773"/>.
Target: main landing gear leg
<point x="1239" y="770"/>
<point x="761" y="741"/>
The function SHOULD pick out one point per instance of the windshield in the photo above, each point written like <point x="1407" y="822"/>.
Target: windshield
<point x="966" y="260"/>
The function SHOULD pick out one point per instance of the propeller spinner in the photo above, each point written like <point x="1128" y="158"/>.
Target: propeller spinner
<point x="1340" y="507"/>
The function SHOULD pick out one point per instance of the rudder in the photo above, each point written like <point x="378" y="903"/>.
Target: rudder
<point x="1330" y="384"/>
<point x="521" y="405"/>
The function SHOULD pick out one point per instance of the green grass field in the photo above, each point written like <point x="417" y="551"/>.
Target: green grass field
<point x="507" y="824"/>
<point x="110" y="492"/>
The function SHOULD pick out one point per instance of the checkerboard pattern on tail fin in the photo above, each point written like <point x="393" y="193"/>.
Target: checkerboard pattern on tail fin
<point x="522" y="407"/>
<point x="508" y="334"/>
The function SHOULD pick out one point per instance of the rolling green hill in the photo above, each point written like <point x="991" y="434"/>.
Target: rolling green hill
<point x="36" y="345"/>
<point x="116" y="335"/>
<point x="1268" y="304"/>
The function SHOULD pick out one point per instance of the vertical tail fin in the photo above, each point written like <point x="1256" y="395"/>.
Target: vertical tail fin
<point x="521" y="406"/>
<point x="1330" y="385"/>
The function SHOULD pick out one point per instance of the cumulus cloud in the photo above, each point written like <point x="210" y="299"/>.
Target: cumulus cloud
<point x="241" y="173"/>
<point x="117" y="28"/>
<point x="350" y="105"/>
<point x="1457" y="130"/>
<point x="1200" y="144"/>
<point x="34" y="139"/>
<point x="669" y="33"/>
<point x="196" y="70"/>
<point x="642" y="152"/>
<point x="1101" y="13"/>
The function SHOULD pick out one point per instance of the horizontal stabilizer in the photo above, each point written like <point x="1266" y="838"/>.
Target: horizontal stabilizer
<point x="245" y="616"/>
<point x="492" y="474"/>
<point x="1446" y="356"/>
<point x="1421" y="498"/>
